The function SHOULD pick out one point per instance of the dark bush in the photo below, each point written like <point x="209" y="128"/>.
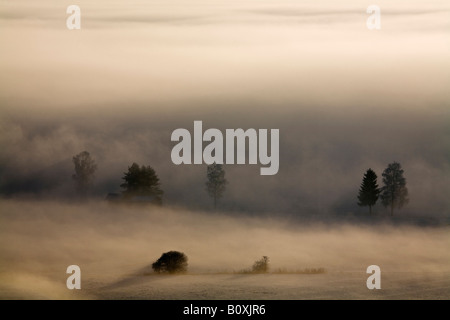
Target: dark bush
<point x="171" y="262"/>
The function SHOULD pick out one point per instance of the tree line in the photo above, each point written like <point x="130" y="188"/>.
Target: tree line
<point x="142" y="182"/>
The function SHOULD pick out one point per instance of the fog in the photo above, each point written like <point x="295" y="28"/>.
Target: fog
<point x="114" y="244"/>
<point x="344" y="98"/>
<point x="322" y="161"/>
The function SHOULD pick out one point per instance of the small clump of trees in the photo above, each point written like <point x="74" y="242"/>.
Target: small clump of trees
<point x="393" y="193"/>
<point x="171" y="262"/>
<point x="142" y="181"/>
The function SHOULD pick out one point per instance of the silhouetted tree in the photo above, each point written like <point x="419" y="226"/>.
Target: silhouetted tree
<point x="142" y="181"/>
<point x="261" y="265"/>
<point x="369" y="191"/>
<point x="171" y="262"/>
<point x="215" y="185"/>
<point x="85" y="168"/>
<point x="394" y="192"/>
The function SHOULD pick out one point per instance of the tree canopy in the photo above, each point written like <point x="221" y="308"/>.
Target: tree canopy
<point x="394" y="193"/>
<point x="85" y="168"/>
<point x="171" y="262"/>
<point x="216" y="183"/>
<point x="142" y="182"/>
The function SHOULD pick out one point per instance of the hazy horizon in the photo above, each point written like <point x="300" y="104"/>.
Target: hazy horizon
<point x="344" y="98"/>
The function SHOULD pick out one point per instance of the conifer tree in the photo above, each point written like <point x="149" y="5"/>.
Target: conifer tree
<point x="142" y="181"/>
<point x="369" y="191"/>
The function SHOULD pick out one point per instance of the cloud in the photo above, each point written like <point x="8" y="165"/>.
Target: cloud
<point x="344" y="98"/>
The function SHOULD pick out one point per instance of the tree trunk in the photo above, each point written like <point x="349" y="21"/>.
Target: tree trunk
<point x="392" y="201"/>
<point x="215" y="202"/>
<point x="370" y="210"/>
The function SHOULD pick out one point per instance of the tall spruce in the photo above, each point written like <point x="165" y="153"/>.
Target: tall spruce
<point x="369" y="191"/>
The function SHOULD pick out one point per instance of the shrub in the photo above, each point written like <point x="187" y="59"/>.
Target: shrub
<point x="300" y="271"/>
<point x="261" y="266"/>
<point x="171" y="262"/>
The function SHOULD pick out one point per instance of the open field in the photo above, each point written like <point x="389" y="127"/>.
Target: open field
<point x="115" y="245"/>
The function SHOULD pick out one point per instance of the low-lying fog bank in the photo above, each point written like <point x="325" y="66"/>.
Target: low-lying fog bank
<point x="113" y="243"/>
